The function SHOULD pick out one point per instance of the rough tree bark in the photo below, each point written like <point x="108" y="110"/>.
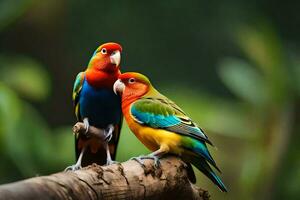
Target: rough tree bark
<point x="128" y="180"/>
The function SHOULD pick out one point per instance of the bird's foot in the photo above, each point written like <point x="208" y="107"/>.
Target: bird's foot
<point x="73" y="168"/>
<point x="111" y="162"/>
<point x="108" y="132"/>
<point x="154" y="158"/>
<point x="86" y="125"/>
<point x="140" y="159"/>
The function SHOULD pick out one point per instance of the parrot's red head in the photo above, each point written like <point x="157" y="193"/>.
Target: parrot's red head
<point x="107" y="57"/>
<point x="103" y="69"/>
<point x="132" y="85"/>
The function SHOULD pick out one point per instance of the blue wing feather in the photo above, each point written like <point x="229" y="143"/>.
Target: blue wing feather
<point x="158" y="113"/>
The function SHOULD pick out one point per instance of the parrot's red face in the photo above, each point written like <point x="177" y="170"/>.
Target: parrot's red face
<point x="131" y="85"/>
<point x="107" y="57"/>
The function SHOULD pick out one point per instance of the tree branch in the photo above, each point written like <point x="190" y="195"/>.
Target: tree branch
<point x="128" y="180"/>
<point x="79" y="130"/>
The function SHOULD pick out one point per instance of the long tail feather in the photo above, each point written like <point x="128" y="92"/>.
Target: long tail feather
<point x="202" y="164"/>
<point x="204" y="167"/>
<point x="201" y="149"/>
<point x="190" y="173"/>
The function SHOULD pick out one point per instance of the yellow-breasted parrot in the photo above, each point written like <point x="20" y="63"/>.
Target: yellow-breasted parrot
<point x="162" y="126"/>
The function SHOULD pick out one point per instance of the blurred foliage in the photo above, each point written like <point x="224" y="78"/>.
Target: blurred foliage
<point x="239" y="80"/>
<point x="10" y="10"/>
<point x="26" y="76"/>
<point x="26" y="142"/>
<point x="244" y="81"/>
<point x="265" y="86"/>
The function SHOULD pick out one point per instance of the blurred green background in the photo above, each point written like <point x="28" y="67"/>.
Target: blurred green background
<point x="233" y="66"/>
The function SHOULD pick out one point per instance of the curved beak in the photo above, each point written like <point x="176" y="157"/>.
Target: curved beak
<point x="115" y="58"/>
<point x="119" y="86"/>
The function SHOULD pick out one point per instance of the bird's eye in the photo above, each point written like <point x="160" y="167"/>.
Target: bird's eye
<point x="131" y="80"/>
<point x="103" y="51"/>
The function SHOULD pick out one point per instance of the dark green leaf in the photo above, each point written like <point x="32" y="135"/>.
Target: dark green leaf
<point x="26" y="76"/>
<point x="244" y="80"/>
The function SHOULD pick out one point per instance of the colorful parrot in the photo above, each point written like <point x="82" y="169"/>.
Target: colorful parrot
<point x="97" y="105"/>
<point x="162" y="126"/>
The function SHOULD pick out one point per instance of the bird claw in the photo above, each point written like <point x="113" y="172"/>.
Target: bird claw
<point x="108" y="132"/>
<point x="155" y="159"/>
<point x="140" y="160"/>
<point x="86" y="125"/>
<point x="111" y="162"/>
<point x="73" y="168"/>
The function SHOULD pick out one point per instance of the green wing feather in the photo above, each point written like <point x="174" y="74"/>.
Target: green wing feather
<point x="165" y="114"/>
<point x="76" y="92"/>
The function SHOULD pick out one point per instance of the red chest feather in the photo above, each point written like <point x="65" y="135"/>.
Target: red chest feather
<point x="101" y="79"/>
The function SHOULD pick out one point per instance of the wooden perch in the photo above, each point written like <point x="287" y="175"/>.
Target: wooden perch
<point x="80" y="130"/>
<point x="128" y="180"/>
